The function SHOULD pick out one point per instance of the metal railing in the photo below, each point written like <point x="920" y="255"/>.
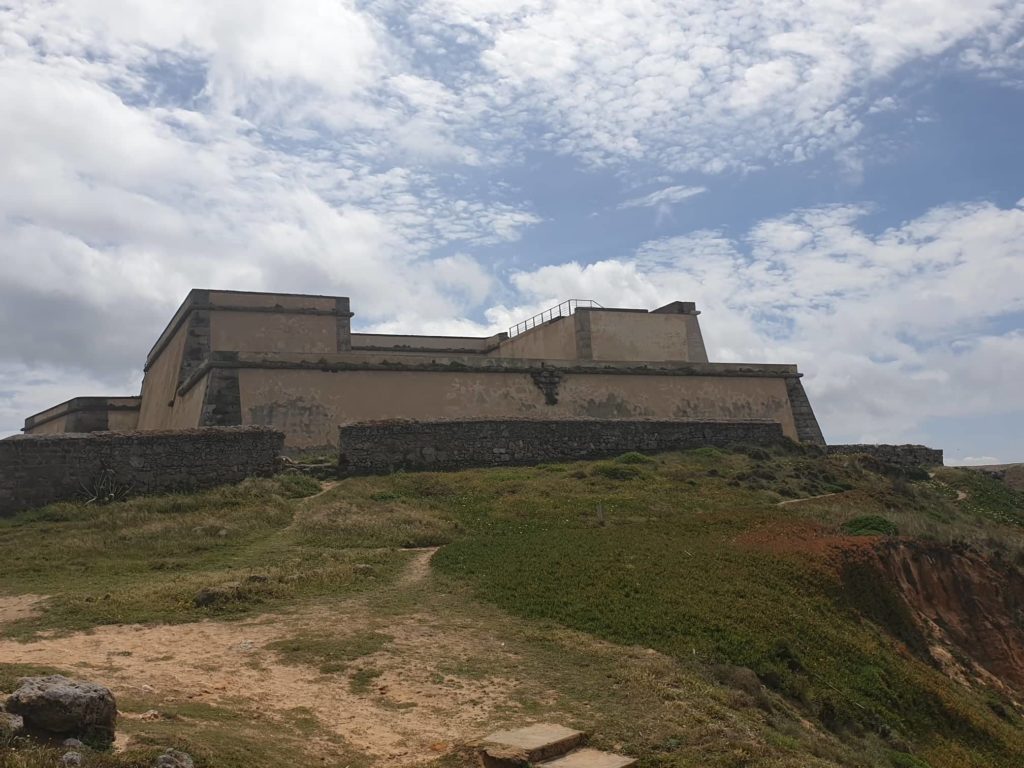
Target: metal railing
<point x="564" y="309"/>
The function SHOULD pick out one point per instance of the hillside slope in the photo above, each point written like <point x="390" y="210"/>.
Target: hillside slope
<point x="708" y="608"/>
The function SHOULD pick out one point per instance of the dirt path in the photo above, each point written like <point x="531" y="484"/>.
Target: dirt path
<point x="413" y="709"/>
<point x="787" y="502"/>
<point x="418" y="568"/>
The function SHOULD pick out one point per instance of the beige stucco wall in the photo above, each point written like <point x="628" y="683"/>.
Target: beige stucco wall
<point x="160" y="383"/>
<point x="53" y="427"/>
<point x="189" y="407"/>
<point x="308" y="405"/>
<point x="122" y="421"/>
<point x="289" y="301"/>
<point x="555" y="340"/>
<point x="240" y="331"/>
<point x="641" y="336"/>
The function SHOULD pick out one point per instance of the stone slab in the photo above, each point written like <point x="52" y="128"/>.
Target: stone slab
<point x="539" y="741"/>
<point x="591" y="758"/>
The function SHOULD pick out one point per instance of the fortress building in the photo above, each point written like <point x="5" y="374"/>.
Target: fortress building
<point x="292" y="362"/>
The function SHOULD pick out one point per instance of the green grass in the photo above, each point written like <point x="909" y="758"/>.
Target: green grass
<point x="146" y="559"/>
<point x="659" y="552"/>
<point x="329" y="652"/>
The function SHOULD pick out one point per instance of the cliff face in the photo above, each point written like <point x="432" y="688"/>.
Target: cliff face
<point x="968" y="608"/>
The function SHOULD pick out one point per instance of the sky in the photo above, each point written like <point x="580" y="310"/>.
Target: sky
<point x="838" y="184"/>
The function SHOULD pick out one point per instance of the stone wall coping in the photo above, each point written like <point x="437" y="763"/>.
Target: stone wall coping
<point x="382" y="361"/>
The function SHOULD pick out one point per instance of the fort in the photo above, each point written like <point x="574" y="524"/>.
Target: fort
<point x="292" y="363"/>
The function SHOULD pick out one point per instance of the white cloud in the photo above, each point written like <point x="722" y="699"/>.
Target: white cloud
<point x="663" y="197"/>
<point x="892" y="329"/>
<point x="693" y="84"/>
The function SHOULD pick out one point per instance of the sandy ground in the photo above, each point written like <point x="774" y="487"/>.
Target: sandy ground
<point x="17" y="607"/>
<point x="412" y="711"/>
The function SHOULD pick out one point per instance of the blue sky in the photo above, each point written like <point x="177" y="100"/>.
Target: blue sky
<point x="836" y="184"/>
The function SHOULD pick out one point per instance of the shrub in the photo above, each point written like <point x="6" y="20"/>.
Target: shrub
<point x="870" y="525"/>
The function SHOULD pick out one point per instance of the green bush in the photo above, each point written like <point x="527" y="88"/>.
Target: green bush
<point x="870" y="525"/>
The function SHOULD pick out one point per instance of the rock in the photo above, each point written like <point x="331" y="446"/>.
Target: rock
<point x="10" y="725"/>
<point x="72" y="744"/>
<point x="172" y="758"/>
<point x="363" y="569"/>
<point x="71" y="759"/>
<point x="56" y="705"/>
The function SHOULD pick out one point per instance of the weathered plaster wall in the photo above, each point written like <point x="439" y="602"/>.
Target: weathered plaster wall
<point x="39" y="470"/>
<point x="54" y="426"/>
<point x="554" y="340"/>
<point x="85" y="414"/>
<point x="122" y="421"/>
<point x="238" y="331"/>
<point x="308" y="405"/>
<point x="380" y="447"/>
<point x="640" y="336"/>
<point x="160" y="384"/>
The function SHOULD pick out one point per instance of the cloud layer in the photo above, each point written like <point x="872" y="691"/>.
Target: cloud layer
<point x="364" y="148"/>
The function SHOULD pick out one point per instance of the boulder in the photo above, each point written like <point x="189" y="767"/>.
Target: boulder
<point x="71" y="760"/>
<point x="59" y="706"/>
<point x="172" y="758"/>
<point x="11" y="725"/>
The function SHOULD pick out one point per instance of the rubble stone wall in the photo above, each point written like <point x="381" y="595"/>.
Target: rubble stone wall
<point x="385" y="446"/>
<point x="36" y="470"/>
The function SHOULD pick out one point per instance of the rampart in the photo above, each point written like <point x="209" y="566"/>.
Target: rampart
<point x="385" y="446"/>
<point x="902" y="455"/>
<point x="36" y="470"/>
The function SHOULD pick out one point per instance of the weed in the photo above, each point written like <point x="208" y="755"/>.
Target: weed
<point x="361" y="680"/>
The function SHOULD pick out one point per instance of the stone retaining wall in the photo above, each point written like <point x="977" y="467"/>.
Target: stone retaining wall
<point x="385" y="446"/>
<point x="903" y="455"/>
<point x="36" y="470"/>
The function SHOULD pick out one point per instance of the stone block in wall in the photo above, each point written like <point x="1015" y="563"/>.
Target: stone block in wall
<point x="387" y="446"/>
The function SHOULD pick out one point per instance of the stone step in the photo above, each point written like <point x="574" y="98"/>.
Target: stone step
<point x="532" y="744"/>
<point x="590" y="758"/>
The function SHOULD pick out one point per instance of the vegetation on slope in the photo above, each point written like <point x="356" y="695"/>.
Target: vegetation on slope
<point x="766" y="611"/>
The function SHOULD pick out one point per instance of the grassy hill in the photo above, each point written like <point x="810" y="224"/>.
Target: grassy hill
<point x="707" y="608"/>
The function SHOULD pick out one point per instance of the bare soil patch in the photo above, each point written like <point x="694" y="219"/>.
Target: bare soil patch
<point x="17" y="607"/>
<point x="414" y="709"/>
